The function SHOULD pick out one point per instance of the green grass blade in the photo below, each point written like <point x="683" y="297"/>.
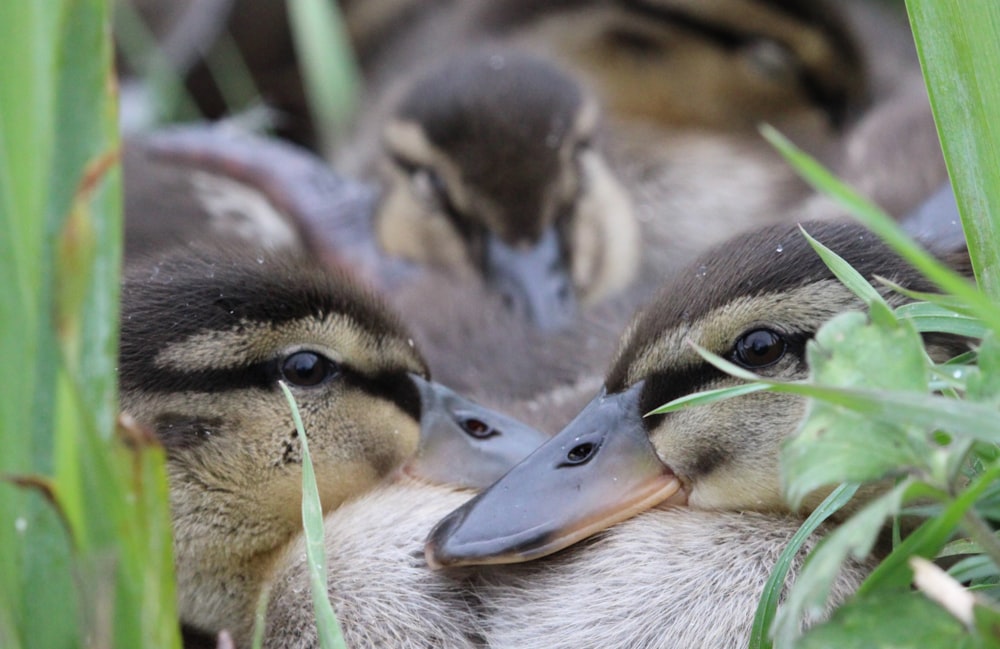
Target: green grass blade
<point x="960" y="55"/>
<point x="971" y="420"/>
<point x="329" y="72"/>
<point x="767" y="608"/>
<point x="887" y="229"/>
<point x="330" y="635"/>
<point x="894" y="571"/>
<point x="849" y="277"/>
<point x="708" y="396"/>
<point x="928" y="317"/>
<point x="27" y="60"/>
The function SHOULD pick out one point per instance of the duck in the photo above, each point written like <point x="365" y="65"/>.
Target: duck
<point x="199" y="182"/>
<point x="206" y="336"/>
<point x="687" y="572"/>
<point x="490" y="168"/>
<point x="756" y="301"/>
<point x="679" y="90"/>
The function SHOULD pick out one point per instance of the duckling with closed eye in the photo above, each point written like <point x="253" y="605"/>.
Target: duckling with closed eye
<point x="491" y="169"/>
<point x="682" y="87"/>
<point x="206" y="336"/>
<point x="756" y="301"/>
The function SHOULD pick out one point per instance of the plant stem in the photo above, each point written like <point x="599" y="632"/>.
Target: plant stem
<point x="983" y="535"/>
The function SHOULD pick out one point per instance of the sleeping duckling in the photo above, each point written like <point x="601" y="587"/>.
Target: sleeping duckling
<point x="756" y="302"/>
<point x="206" y="336"/>
<point x="491" y="170"/>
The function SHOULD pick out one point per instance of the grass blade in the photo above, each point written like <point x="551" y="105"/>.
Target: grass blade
<point x="886" y="228"/>
<point x="330" y="635"/>
<point x="960" y="54"/>
<point x="329" y="72"/>
<point x="768" y="606"/>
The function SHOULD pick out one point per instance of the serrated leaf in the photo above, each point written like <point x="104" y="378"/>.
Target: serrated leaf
<point x="896" y="620"/>
<point x="835" y="445"/>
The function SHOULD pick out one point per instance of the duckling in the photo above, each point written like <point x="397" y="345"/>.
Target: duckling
<point x="681" y="87"/>
<point x="756" y="302"/>
<point x="490" y="169"/>
<point x="667" y="578"/>
<point x="206" y="336"/>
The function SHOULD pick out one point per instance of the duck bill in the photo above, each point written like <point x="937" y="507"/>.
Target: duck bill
<point x="534" y="281"/>
<point x="463" y="443"/>
<point x="601" y="469"/>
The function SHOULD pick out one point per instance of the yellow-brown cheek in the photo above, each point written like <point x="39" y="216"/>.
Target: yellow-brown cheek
<point x="606" y="238"/>
<point x="408" y="230"/>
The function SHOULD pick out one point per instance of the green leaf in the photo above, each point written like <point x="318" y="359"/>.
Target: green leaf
<point x="708" y="396"/>
<point x="927" y="540"/>
<point x="984" y="385"/>
<point x="834" y="445"/>
<point x="897" y="620"/>
<point x="330" y="75"/>
<point x="928" y="317"/>
<point x="849" y="277"/>
<point x="330" y="635"/>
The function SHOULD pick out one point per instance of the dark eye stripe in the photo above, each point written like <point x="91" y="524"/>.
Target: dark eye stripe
<point x="393" y="386"/>
<point x="664" y="387"/>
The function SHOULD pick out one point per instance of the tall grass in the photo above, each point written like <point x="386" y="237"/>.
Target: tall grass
<point x="85" y="557"/>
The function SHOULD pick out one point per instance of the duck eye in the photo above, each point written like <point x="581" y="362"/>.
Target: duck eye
<point x="771" y="59"/>
<point x="478" y="428"/>
<point x="306" y="369"/>
<point x="759" y="348"/>
<point x="429" y="185"/>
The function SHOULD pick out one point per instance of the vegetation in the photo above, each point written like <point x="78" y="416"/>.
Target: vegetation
<point x="84" y="529"/>
<point x="85" y="555"/>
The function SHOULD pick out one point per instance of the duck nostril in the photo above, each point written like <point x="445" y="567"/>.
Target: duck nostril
<point x="478" y="428"/>
<point x="580" y="454"/>
<point x="564" y="293"/>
